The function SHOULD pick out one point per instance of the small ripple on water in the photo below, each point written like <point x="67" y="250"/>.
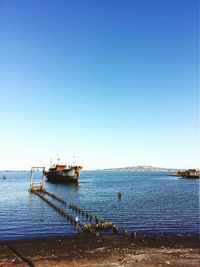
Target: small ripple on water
<point x="150" y="202"/>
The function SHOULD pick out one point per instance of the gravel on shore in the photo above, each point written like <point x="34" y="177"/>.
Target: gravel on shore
<point x="107" y="250"/>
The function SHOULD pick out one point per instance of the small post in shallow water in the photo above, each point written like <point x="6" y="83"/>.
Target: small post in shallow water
<point x="119" y="195"/>
<point x="134" y="235"/>
<point x="124" y="232"/>
<point x="115" y="229"/>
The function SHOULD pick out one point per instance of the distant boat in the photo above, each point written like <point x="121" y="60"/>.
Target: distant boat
<point x="63" y="174"/>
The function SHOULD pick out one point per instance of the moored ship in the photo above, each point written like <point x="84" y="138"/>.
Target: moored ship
<point x="63" y="174"/>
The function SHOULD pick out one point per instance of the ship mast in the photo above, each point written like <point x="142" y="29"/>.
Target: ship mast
<point x="58" y="159"/>
<point x="50" y="163"/>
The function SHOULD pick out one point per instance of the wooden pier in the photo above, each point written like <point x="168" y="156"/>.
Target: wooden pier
<point x="95" y="227"/>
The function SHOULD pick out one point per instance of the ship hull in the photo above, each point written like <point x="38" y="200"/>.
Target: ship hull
<point x="67" y="176"/>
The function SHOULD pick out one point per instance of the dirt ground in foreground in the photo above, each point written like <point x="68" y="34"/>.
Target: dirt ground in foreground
<point x="89" y="251"/>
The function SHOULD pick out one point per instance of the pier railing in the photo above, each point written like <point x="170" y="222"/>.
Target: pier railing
<point x="37" y="185"/>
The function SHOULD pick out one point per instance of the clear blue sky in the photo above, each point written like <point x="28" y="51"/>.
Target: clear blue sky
<point x="115" y="82"/>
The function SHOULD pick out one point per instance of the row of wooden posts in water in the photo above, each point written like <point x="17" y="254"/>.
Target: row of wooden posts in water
<point x="100" y="224"/>
<point x="93" y="228"/>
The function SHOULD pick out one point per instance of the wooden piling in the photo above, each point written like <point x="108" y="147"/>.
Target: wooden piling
<point x="90" y="228"/>
<point x="55" y="197"/>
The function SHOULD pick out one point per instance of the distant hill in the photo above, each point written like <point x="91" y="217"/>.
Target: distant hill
<point x="142" y="169"/>
<point x="14" y="171"/>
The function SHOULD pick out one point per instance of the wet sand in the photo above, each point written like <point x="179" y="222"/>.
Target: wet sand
<point x="108" y="250"/>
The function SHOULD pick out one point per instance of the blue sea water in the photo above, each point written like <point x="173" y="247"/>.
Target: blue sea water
<point x="150" y="202"/>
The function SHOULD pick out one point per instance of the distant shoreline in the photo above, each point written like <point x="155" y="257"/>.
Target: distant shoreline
<point x="126" y="170"/>
<point x="107" y="170"/>
<point x="142" y="169"/>
<point x="120" y="169"/>
<point x="14" y="171"/>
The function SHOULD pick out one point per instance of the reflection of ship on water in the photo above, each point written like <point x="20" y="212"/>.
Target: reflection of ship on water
<point x="63" y="174"/>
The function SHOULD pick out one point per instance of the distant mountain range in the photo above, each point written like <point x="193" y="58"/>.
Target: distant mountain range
<point x="142" y="169"/>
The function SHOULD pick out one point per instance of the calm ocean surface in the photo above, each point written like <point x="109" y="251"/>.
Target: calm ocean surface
<point x="151" y="202"/>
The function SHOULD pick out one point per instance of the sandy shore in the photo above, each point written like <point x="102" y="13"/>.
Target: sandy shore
<point x="89" y="251"/>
